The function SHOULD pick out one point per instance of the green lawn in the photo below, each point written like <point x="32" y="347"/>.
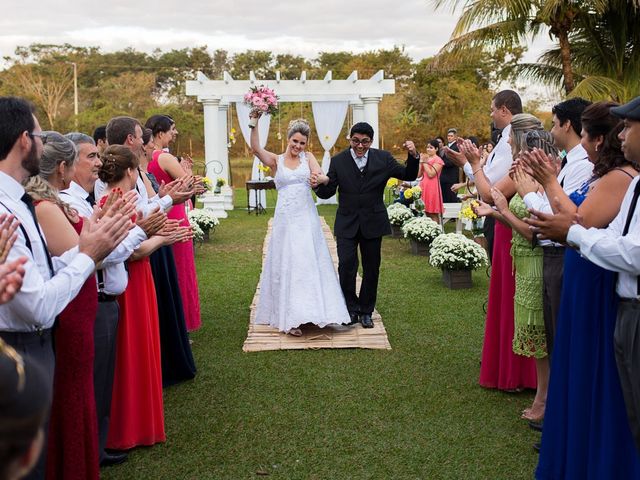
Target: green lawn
<point x="415" y="412"/>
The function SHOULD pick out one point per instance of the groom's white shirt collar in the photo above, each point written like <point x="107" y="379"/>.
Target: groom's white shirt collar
<point x="354" y="156"/>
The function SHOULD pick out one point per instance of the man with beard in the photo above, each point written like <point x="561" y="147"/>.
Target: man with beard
<point x="49" y="283"/>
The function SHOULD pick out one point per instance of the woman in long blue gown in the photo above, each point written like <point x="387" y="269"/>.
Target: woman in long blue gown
<point x="586" y="432"/>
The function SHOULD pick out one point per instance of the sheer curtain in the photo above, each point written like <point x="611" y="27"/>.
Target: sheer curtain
<point x="329" y="118"/>
<point x="263" y="130"/>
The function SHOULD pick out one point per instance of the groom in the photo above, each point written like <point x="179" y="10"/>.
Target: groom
<point x="360" y="174"/>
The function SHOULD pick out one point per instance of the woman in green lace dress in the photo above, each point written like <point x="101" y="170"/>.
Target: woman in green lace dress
<point x="529" y="334"/>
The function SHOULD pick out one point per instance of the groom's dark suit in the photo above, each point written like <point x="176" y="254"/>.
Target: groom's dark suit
<point x="362" y="218"/>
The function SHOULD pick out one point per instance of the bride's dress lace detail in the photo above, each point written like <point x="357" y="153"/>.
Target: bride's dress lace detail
<point x="298" y="283"/>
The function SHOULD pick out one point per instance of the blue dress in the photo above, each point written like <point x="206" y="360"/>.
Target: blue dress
<point x="586" y="433"/>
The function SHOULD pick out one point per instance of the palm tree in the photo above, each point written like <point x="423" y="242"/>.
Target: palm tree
<point x="505" y="23"/>
<point x="605" y="55"/>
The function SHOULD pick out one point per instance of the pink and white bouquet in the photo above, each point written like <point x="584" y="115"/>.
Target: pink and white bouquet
<point x="261" y="100"/>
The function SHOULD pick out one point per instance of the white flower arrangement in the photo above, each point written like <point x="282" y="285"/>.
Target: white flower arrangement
<point x="203" y="218"/>
<point x="422" y="230"/>
<point x="398" y="214"/>
<point x="198" y="234"/>
<point x="453" y="251"/>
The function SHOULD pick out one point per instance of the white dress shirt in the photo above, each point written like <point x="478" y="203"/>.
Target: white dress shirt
<point x="577" y="170"/>
<point x="607" y="247"/>
<point x="42" y="297"/>
<point x="499" y="161"/>
<point x="114" y="272"/>
<point x="361" y="162"/>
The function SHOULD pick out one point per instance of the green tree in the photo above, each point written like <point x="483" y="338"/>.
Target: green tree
<point x="506" y="23"/>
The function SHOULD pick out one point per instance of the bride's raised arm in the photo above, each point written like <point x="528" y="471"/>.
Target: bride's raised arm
<point x="267" y="158"/>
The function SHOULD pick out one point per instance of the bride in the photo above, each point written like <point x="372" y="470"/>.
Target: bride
<point x="298" y="283"/>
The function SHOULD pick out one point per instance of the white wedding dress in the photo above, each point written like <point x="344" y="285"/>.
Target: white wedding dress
<point x="298" y="283"/>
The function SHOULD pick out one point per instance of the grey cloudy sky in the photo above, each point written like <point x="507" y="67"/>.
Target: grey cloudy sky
<point x="301" y="27"/>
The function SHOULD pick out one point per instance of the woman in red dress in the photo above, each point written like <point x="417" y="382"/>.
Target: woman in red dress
<point x="72" y="446"/>
<point x="137" y="416"/>
<point x="166" y="168"/>
<point x="430" y="167"/>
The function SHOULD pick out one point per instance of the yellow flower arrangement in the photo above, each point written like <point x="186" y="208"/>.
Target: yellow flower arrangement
<point x="207" y="183"/>
<point x="408" y="193"/>
<point x="392" y="182"/>
<point x="467" y="210"/>
<point x="264" y="168"/>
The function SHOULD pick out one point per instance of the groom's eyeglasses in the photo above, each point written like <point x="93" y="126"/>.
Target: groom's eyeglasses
<point x="364" y="142"/>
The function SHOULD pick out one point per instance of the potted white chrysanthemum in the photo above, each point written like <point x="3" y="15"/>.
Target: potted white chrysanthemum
<point x="457" y="256"/>
<point x="421" y="231"/>
<point x="398" y="214"/>
<point x="205" y="220"/>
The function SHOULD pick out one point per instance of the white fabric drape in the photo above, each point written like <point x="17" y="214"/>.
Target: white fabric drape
<point x="263" y="130"/>
<point x="329" y="118"/>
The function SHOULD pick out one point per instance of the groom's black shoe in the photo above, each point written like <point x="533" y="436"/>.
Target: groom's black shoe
<point x="366" y="320"/>
<point x="355" y="318"/>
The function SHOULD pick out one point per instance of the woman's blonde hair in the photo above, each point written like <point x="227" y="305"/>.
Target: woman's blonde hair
<point x="527" y="132"/>
<point x="57" y="150"/>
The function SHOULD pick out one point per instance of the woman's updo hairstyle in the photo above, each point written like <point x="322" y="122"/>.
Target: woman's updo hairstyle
<point x="159" y="124"/>
<point x="116" y="159"/>
<point x="299" y="125"/>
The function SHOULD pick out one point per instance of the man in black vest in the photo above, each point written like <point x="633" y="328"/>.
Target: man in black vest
<point x="361" y="174"/>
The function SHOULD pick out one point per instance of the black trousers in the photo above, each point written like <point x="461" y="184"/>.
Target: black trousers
<point x="105" y="331"/>
<point x="39" y="349"/>
<point x="348" y="262"/>
<point x="552" y="272"/>
<point x="626" y="339"/>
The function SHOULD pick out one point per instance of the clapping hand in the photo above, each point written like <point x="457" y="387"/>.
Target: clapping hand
<point x="471" y="153"/>
<point x="524" y="183"/>
<point x="153" y="223"/>
<point x="8" y="235"/>
<point x="548" y="226"/>
<point x="180" y="190"/>
<point x="410" y="147"/>
<point x="540" y="166"/>
<point x="483" y="209"/>
<point x="11" y="273"/>
<point x="457" y="158"/>
<point x="499" y="200"/>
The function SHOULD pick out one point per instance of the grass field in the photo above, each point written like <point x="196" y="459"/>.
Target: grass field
<point x="415" y="412"/>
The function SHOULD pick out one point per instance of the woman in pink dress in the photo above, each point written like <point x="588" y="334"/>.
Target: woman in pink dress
<point x="430" y="168"/>
<point x="166" y="168"/>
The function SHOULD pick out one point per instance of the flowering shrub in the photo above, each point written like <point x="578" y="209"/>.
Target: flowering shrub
<point x="398" y="214"/>
<point x="221" y="182"/>
<point x="453" y="251"/>
<point x="204" y="219"/>
<point x="422" y="230"/>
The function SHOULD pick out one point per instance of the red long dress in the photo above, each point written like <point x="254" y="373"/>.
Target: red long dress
<point x="137" y="408"/>
<point x="501" y="368"/>
<point x="72" y="447"/>
<point x="183" y="253"/>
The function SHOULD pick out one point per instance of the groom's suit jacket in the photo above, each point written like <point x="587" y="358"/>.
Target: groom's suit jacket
<point x="360" y="194"/>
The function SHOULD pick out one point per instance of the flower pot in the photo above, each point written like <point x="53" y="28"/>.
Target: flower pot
<point x="396" y="231"/>
<point x="419" y="248"/>
<point x="457" y="279"/>
<point x="217" y="189"/>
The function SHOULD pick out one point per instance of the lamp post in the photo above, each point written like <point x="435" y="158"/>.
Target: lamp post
<point x="75" y="92"/>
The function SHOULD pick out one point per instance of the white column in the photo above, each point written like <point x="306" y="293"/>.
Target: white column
<point x="223" y="130"/>
<point x="212" y="153"/>
<point x="358" y="113"/>
<point x="371" y="116"/>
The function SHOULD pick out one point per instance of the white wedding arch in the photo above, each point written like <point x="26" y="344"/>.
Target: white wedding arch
<point x="330" y="100"/>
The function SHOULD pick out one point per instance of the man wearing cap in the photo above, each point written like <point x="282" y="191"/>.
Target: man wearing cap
<point x="616" y="248"/>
